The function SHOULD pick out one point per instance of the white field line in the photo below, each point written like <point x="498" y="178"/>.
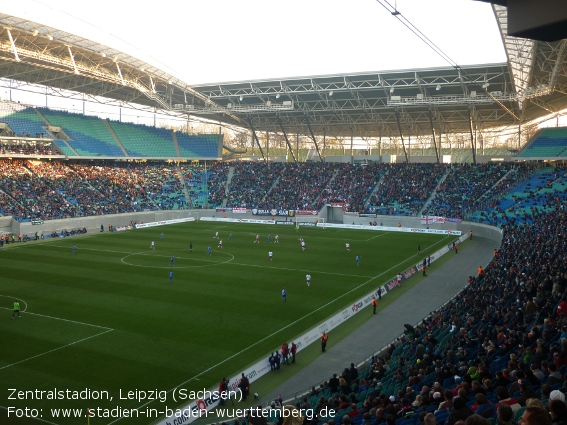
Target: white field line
<point x="55" y="349"/>
<point x="15" y="298"/>
<point x="64" y="320"/>
<point x="280" y="330"/>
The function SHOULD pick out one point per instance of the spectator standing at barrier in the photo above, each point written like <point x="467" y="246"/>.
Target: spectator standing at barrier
<point x="223" y="388"/>
<point x="244" y="386"/>
<point x="353" y="371"/>
<point x="374" y="305"/>
<point x="456" y="248"/>
<point x="272" y="361"/>
<point x="324" y="339"/>
<point x="293" y="351"/>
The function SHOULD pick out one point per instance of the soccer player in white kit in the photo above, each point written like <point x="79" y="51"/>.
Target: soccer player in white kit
<point x="302" y="244"/>
<point x="270" y="254"/>
<point x="257" y="239"/>
<point x="217" y="235"/>
<point x="153" y="246"/>
<point x="399" y="277"/>
<point x="220" y="243"/>
<point x="277" y="239"/>
<point x="348" y="247"/>
<point x="308" y="279"/>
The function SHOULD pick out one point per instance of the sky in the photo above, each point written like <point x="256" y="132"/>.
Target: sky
<point x="207" y="41"/>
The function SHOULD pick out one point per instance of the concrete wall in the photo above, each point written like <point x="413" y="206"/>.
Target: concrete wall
<point x="93" y="223"/>
<point x="420" y="159"/>
<point x="480" y="230"/>
<point x="6" y="224"/>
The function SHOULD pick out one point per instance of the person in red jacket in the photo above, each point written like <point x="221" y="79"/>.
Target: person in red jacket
<point x="285" y="353"/>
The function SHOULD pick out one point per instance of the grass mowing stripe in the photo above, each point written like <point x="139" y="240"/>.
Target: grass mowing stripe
<point x="165" y="333"/>
<point x="55" y="349"/>
<point x="280" y="330"/>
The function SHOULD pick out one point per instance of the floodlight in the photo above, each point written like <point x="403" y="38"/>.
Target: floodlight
<point x="241" y="98"/>
<point x="331" y="93"/>
<point x="36" y="32"/>
<point x="485" y="85"/>
<point x="50" y="37"/>
<point x="142" y="69"/>
<point x="391" y="89"/>
<point x="438" y="87"/>
<point x="103" y="54"/>
<point x="277" y="96"/>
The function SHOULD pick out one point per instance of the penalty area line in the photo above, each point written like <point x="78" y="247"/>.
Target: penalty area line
<point x="64" y="320"/>
<point x="56" y="349"/>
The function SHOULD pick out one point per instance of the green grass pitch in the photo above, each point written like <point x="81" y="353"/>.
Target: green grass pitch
<point x="108" y="319"/>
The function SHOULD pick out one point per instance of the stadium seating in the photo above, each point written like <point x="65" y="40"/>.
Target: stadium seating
<point x="62" y="146"/>
<point x="89" y="135"/>
<point x="23" y="120"/>
<point x="198" y="146"/>
<point x="489" y="193"/>
<point x="549" y="142"/>
<point x="145" y="141"/>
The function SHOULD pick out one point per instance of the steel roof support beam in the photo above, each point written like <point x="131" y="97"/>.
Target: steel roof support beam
<point x="401" y="135"/>
<point x="256" y="138"/>
<point x="472" y="137"/>
<point x="286" y="139"/>
<point x="433" y="135"/>
<point x="120" y="73"/>
<point x="562" y="51"/>
<point x="13" y="45"/>
<point x="73" y="60"/>
<point x="544" y="105"/>
<point x="313" y="137"/>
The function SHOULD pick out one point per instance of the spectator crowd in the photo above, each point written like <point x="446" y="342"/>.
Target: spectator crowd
<point x="489" y="193"/>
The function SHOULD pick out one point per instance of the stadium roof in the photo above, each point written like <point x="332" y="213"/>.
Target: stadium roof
<point x="533" y="83"/>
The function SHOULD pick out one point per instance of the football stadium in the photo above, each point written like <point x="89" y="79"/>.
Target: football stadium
<point x="340" y="248"/>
